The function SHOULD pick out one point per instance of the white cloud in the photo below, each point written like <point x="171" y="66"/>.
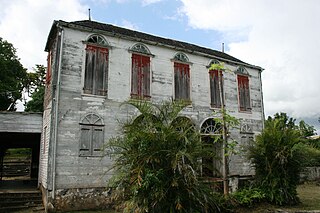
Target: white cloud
<point x="147" y="2"/>
<point x="280" y="36"/>
<point x="26" y="24"/>
<point x="129" y="25"/>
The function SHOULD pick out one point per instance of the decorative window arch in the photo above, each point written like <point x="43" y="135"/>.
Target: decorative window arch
<point x="96" y="68"/>
<point x="98" y="40"/>
<point x="182" y="123"/>
<point x="246" y="128"/>
<point x="213" y="61"/>
<point x="140" y="48"/>
<point x="181" y="77"/>
<point x="140" y="72"/>
<point x="242" y="71"/>
<point x="91" y="135"/>
<point x="181" y="57"/>
<point x="211" y="127"/>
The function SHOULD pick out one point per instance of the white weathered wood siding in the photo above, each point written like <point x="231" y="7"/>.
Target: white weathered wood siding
<point x="73" y="171"/>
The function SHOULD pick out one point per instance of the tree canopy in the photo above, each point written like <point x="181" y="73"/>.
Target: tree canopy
<point x="36" y="87"/>
<point x="12" y="76"/>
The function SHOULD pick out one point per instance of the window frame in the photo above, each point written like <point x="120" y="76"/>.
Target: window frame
<point x="181" y="68"/>
<point x="244" y="100"/>
<point x="90" y="126"/>
<point x="96" y="66"/>
<point x="140" y="76"/>
<point x="216" y="78"/>
<point x="209" y="128"/>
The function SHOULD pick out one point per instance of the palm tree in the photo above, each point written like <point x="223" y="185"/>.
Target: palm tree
<point x="157" y="162"/>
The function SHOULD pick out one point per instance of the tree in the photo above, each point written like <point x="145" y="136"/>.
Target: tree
<point x="12" y="76"/>
<point x="157" y="162"/>
<point x="277" y="161"/>
<point x="35" y="86"/>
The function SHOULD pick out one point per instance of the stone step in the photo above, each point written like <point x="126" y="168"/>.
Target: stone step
<point x="15" y="200"/>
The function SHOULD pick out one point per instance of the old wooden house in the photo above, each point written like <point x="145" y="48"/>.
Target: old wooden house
<point x="94" y="67"/>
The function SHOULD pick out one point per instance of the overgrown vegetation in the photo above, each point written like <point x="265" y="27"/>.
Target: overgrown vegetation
<point x="276" y="160"/>
<point x="157" y="166"/>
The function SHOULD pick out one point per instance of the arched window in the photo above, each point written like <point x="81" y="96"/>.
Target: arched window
<point x="181" y="57"/>
<point x="92" y="135"/>
<point x="96" y="68"/>
<point x="212" y="138"/>
<point x="140" y="48"/>
<point x="243" y="89"/>
<point x="181" y="77"/>
<point x="140" y="71"/>
<point x="98" y="40"/>
<point x="211" y="127"/>
<point x="216" y="86"/>
<point x="183" y="124"/>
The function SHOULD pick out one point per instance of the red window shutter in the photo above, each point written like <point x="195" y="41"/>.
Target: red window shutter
<point x="181" y="81"/>
<point x="244" y="93"/>
<point x="49" y="63"/>
<point x="215" y="88"/>
<point x="140" y="80"/>
<point x="96" y="70"/>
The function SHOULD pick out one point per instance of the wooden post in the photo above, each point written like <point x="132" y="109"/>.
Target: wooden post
<point x="224" y="140"/>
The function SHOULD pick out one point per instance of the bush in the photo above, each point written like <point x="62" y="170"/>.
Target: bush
<point x="248" y="196"/>
<point x="277" y="161"/>
<point x="309" y="154"/>
<point x="157" y="167"/>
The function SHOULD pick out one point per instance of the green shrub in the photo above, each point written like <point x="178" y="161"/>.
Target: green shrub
<point x="157" y="167"/>
<point x="309" y="154"/>
<point x="248" y="196"/>
<point x="277" y="161"/>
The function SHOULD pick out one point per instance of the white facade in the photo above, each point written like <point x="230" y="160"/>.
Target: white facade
<point x="63" y="171"/>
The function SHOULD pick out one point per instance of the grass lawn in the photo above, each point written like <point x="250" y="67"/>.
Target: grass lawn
<point x="308" y="193"/>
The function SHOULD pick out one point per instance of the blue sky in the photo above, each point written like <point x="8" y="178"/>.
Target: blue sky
<point x="280" y="36"/>
<point x="161" y="18"/>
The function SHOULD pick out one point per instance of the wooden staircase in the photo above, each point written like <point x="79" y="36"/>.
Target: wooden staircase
<point x="11" y="201"/>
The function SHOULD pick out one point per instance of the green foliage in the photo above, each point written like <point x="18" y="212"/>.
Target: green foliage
<point x="305" y="129"/>
<point x="248" y="196"/>
<point x="276" y="159"/>
<point x="12" y="76"/>
<point x="36" y="104"/>
<point x="310" y="155"/>
<point x="157" y="163"/>
<point x="36" y="86"/>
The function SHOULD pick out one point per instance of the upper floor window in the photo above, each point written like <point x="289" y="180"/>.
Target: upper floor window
<point x="243" y="89"/>
<point x="181" y="77"/>
<point x="216" y="86"/>
<point x="92" y="135"/>
<point x="140" y="71"/>
<point x="96" y="68"/>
